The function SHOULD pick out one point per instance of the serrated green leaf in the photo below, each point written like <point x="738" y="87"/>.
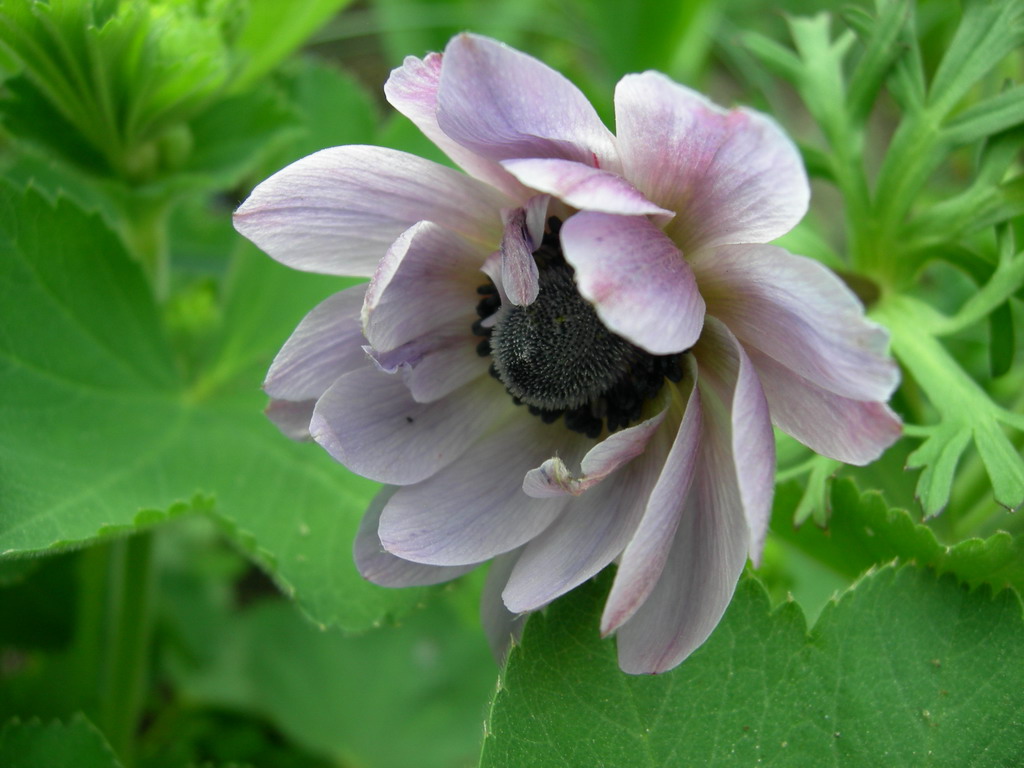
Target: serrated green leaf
<point x="937" y="457"/>
<point x="99" y="433"/>
<point x="903" y="670"/>
<point x="864" y="531"/>
<point x="55" y="745"/>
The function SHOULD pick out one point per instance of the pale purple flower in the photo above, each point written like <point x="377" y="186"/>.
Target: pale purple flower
<point x="620" y="286"/>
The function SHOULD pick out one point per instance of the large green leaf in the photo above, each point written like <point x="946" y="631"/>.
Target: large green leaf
<point x="55" y="745"/>
<point x="99" y="433"/>
<point x="904" y="670"/>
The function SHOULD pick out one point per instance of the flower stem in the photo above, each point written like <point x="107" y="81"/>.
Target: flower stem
<point x="113" y="635"/>
<point x="144" y="231"/>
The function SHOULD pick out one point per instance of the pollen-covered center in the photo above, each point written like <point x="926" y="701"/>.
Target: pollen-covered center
<point x="557" y="357"/>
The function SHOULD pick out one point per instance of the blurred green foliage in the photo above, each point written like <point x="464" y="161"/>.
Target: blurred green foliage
<point x="176" y="586"/>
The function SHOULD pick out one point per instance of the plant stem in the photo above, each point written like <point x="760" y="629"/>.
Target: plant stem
<point x="113" y="635"/>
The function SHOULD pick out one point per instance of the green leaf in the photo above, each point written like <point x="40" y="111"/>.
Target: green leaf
<point x="401" y="696"/>
<point x="988" y="31"/>
<point x="75" y="745"/>
<point x="99" y="433"/>
<point x="863" y="532"/>
<point x="881" y="37"/>
<point x="903" y="670"/>
<point x="995" y="114"/>
<point x="961" y="403"/>
<point x="273" y="30"/>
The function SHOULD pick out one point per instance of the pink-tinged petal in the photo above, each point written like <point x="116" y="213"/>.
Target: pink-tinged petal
<point x="697" y="583"/>
<point x="639" y="283"/>
<point x="381" y="567"/>
<point x="730" y="176"/>
<point x="338" y="210"/>
<point x="519" y="274"/>
<point x="292" y="417"/>
<point x="369" y="422"/>
<point x="427" y="278"/>
<point x="734" y="404"/>
<point x="583" y="186"/>
<point x="474" y="509"/>
<point x="796" y="311"/>
<point x="326" y="344"/>
<point x="501" y="104"/>
<point x="553" y="477"/>
<point x="502" y="627"/>
<point x="644" y="557"/>
<point x="723" y="517"/>
<point x="586" y="537"/>
<point x="852" y="431"/>
<point x="412" y="90"/>
<point x="435" y="365"/>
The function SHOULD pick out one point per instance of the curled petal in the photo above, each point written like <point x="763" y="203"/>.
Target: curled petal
<point x="474" y="509"/>
<point x="733" y="404"/>
<point x="796" y="311"/>
<point x="292" y="417"/>
<point x="369" y="422"/>
<point x="724" y="515"/>
<point x="583" y="186"/>
<point x="412" y="90"/>
<point x="326" y="344"/>
<point x="639" y="283"/>
<point x="427" y="278"/>
<point x="519" y="274"/>
<point x="435" y="365"/>
<point x="381" y="567"/>
<point x="553" y="478"/>
<point x="498" y="102"/>
<point x="588" y="535"/>
<point x="337" y="210"/>
<point x="852" y="431"/>
<point x="644" y="557"/>
<point x="730" y="176"/>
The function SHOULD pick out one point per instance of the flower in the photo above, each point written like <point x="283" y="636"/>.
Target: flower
<point x="640" y="336"/>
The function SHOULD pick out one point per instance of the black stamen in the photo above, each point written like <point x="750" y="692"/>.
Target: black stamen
<point x="558" y="358"/>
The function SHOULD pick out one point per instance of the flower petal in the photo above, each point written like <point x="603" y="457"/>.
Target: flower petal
<point x="326" y="344"/>
<point x="381" y="567"/>
<point x="553" y="478"/>
<point x="369" y="422"/>
<point x="852" y="431"/>
<point x="501" y="103"/>
<point x="796" y="311"/>
<point x="583" y="186"/>
<point x="639" y="283"/>
<point x="412" y="90"/>
<point x="474" y="509"/>
<point x="502" y="627"/>
<point x="644" y="557"/>
<point x="733" y="403"/>
<point x="588" y="535"/>
<point x="730" y="176"/>
<point x="427" y="278"/>
<point x="722" y="518"/>
<point x="519" y="274"/>
<point x="337" y="210"/>
<point x="437" y="364"/>
<point x="292" y="417"/>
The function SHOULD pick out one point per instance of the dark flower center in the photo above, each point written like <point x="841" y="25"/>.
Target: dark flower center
<point x="558" y="358"/>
